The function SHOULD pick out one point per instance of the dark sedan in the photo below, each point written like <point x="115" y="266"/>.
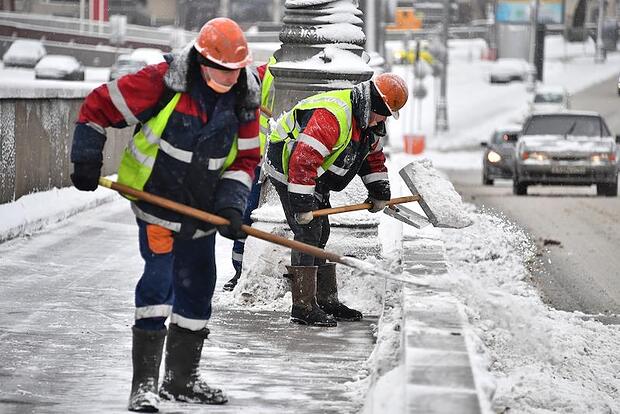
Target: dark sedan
<point x="498" y="159"/>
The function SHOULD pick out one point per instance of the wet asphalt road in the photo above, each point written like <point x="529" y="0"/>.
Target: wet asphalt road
<point x="578" y="233"/>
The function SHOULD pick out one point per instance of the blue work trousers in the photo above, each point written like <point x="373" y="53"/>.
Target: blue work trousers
<point x="181" y="281"/>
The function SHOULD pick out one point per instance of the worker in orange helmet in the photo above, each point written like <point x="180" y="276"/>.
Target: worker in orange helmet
<point x="319" y="146"/>
<point x="195" y="142"/>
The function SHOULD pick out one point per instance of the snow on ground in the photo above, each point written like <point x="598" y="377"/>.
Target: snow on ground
<point x="475" y="107"/>
<point x="533" y="359"/>
<point x="541" y="360"/>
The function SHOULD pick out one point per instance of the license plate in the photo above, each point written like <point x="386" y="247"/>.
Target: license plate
<point x="567" y="169"/>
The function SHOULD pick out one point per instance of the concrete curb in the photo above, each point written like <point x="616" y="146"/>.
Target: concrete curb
<point x="439" y="375"/>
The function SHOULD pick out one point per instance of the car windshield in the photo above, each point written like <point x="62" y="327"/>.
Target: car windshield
<point x="548" y="98"/>
<point x="590" y="126"/>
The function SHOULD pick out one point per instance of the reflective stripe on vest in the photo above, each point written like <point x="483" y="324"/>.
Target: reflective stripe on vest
<point x="267" y="99"/>
<point x="336" y="102"/>
<point x="139" y="156"/>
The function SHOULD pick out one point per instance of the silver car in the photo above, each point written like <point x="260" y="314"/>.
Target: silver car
<point x="566" y="148"/>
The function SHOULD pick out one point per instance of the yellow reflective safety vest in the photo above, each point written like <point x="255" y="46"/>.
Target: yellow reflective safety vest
<point x="139" y="156"/>
<point x="337" y="102"/>
<point x="267" y="99"/>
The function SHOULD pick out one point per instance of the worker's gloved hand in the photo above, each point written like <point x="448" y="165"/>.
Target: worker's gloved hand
<point x="377" y="205"/>
<point x="304" y="218"/>
<point x="85" y="175"/>
<point x="233" y="230"/>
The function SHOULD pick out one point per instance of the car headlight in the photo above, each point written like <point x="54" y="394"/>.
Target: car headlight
<point x="493" y="156"/>
<point x="535" y="155"/>
<point x="603" y="157"/>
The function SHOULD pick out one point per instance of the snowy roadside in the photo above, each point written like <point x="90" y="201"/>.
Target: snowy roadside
<point x="540" y="360"/>
<point x="527" y="357"/>
<point x="36" y="211"/>
<point x="530" y="358"/>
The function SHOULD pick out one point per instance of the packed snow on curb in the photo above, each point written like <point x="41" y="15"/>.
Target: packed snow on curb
<point x="540" y="360"/>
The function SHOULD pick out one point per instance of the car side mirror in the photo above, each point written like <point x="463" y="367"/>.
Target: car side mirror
<point x="484" y="144"/>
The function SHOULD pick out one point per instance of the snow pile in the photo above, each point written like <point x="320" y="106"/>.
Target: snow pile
<point x="542" y="360"/>
<point x="262" y="285"/>
<point x="35" y="211"/>
<point x="440" y="201"/>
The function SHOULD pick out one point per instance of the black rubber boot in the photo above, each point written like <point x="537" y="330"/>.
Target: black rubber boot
<point x="327" y="295"/>
<point x="146" y="358"/>
<point x="182" y="380"/>
<point x="230" y="285"/>
<point x="305" y="310"/>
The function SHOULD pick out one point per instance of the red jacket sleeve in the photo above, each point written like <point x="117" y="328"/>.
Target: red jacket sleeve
<point x="125" y="101"/>
<point x="313" y="144"/>
<point x="122" y="102"/>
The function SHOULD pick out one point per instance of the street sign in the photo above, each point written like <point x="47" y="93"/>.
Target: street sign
<point x="518" y="11"/>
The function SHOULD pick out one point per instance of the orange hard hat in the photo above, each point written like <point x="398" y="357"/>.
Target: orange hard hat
<point x="221" y="40"/>
<point x="393" y="90"/>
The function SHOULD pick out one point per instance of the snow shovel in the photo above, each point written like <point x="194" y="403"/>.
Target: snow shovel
<point x="364" y="267"/>
<point x="438" y="199"/>
<point x="435" y="194"/>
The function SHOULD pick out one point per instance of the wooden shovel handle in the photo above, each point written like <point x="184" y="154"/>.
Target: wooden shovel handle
<point x="362" y="206"/>
<point x="219" y="221"/>
<point x="266" y="111"/>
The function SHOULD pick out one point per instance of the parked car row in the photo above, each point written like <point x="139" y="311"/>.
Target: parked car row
<point x="561" y="147"/>
<point x="26" y="53"/>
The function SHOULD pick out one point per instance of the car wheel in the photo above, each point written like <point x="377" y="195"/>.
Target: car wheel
<point x="518" y="188"/>
<point x="486" y="180"/>
<point x="607" y="189"/>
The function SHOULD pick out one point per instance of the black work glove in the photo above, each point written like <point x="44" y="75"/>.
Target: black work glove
<point x="233" y="230"/>
<point x="377" y="205"/>
<point x="85" y="175"/>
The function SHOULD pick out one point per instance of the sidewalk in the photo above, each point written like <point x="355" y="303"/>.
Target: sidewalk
<point x="65" y="317"/>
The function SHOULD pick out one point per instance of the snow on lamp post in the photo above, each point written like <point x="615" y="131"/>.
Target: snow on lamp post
<point x="322" y="48"/>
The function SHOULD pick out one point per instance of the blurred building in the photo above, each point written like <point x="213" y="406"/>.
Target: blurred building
<point x="188" y="14"/>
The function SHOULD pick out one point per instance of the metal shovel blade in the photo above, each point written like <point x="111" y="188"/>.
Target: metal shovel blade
<point x="407" y="216"/>
<point x="439" y="200"/>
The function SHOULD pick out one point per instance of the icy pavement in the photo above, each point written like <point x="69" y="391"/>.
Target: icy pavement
<point x="65" y="316"/>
